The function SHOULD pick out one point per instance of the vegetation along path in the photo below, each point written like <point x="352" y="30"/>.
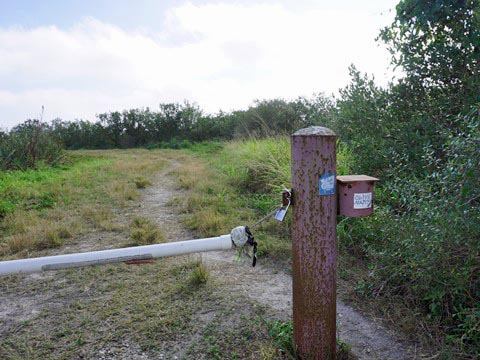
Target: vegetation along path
<point x="272" y="288"/>
<point x="200" y="306"/>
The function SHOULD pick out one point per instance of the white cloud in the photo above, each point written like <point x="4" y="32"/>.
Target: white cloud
<point x="219" y="55"/>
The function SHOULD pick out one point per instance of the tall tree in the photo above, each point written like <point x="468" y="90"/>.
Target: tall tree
<point x="437" y="43"/>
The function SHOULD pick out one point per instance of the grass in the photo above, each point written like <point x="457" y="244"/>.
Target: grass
<point x="141" y="183"/>
<point x="40" y="209"/>
<point x="281" y="333"/>
<point x="114" y="309"/>
<point x="151" y="309"/>
<point x="144" y="232"/>
<point x="237" y="184"/>
<point x="199" y="274"/>
<point x="210" y="206"/>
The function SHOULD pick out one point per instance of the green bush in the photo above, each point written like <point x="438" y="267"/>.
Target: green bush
<point x="174" y="144"/>
<point x="29" y="145"/>
<point x="423" y="241"/>
<point x="6" y="207"/>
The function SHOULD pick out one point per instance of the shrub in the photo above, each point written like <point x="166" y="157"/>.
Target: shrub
<point x="423" y="241"/>
<point x="175" y="144"/>
<point x="29" y="145"/>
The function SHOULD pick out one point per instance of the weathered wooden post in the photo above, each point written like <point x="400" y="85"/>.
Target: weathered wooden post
<point x="314" y="253"/>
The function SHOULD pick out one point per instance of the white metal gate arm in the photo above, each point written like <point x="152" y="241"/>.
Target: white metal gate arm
<point x="25" y="266"/>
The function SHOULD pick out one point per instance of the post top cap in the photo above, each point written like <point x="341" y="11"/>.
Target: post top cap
<point x="355" y="178"/>
<point x="314" y="130"/>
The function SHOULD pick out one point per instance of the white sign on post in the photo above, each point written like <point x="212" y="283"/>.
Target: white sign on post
<point x="362" y="201"/>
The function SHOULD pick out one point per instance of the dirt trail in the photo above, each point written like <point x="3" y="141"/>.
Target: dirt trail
<point x="272" y="287"/>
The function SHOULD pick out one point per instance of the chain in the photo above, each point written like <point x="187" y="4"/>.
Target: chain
<point x="278" y="213"/>
<point x="265" y="218"/>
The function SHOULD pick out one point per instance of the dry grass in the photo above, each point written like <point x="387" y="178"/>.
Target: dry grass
<point x="32" y="232"/>
<point x="98" y="217"/>
<point x="210" y="205"/>
<point x="149" y="309"/>
<point x="200" y="274"/>
<point x="139" y="311"/>
<point x="144" y="232"/>
<point x="17" y="243"/>
<point x="214" y="203"/>
<point x="141" y="183"/>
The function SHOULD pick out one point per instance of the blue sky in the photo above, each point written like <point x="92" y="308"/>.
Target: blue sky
<point x="128" y="14"/>
<point x="132" y="14"/>
<point x="81" y="58"/>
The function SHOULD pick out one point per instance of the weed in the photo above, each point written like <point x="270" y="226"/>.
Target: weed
<point x="344" y="351"/>
<point x="17" y="243"/>
<point x="52" y="239"/>
<point x="199" y="274"/>
<point x="268" y="352"/>
<point x="98" y="217"/>
<point x="141" y="183"/>
<point x="144" y="232"/>
<point x="6" y="207"/>
<point x="281" y="333"/>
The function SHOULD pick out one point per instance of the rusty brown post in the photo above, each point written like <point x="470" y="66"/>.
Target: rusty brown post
<point x="314" y="254"/>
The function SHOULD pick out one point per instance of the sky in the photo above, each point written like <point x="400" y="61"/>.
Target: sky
<point x="82" y="58"/>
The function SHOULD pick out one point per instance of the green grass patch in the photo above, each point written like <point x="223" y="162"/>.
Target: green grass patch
<point x="30" y="189"/>
<point x="281" y="333"/>
<point x="200" y="274"/>
<point x="40" y="209"/>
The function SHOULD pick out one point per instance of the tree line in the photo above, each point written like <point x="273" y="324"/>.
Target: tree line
<point x="172" y="125"/>
<point x="187" y="121"/>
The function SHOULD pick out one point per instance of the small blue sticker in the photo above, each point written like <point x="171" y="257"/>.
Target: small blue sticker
<point x="326" y="184"/>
